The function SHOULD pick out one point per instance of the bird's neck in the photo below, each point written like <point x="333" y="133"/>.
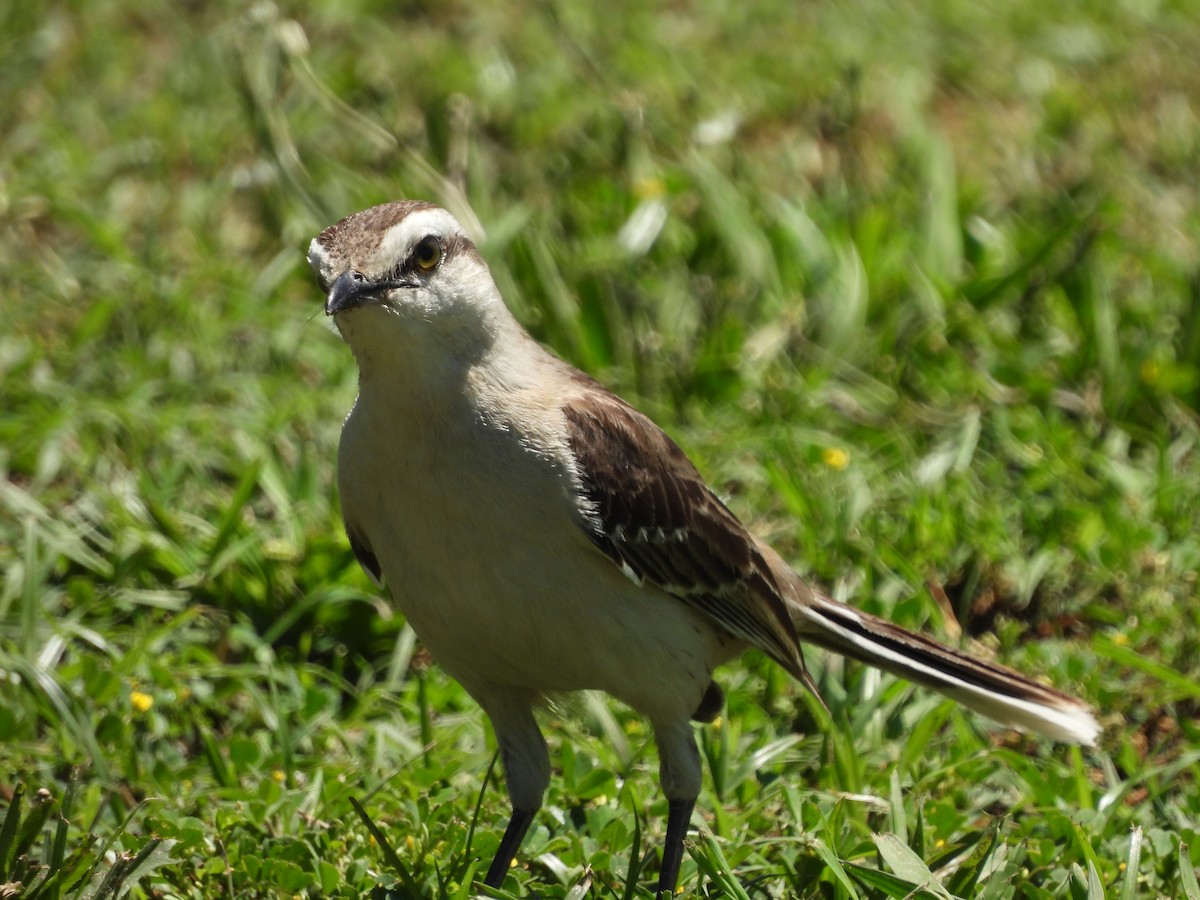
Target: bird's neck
<point x="426" y="372"/>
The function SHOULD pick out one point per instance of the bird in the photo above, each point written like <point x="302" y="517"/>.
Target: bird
<point x="542" y="536"/>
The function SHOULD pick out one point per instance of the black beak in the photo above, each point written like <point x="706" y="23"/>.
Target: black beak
<point x="348" y="291"/>
<point x="352" y="289"/>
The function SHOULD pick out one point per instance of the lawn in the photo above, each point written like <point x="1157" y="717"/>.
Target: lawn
<point x="916" y="285"/>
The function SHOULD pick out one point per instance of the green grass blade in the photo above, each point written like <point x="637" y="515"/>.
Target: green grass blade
<point x="712" y="862"/>
<point x="1095" y="887"/>
<point x="1129" y="887"/>
<point x="891" y="885"/>
<point x="835" y="866"/>
<point x="580" y="890"/>
<point x="8" y="831"/>
<point x="636" y="858"/>
<point x="907" y="865"/>
<point x="58" y="852"/>
<point x="487" y="779"/>
<point x="1187" y="874"/>
<point x="896" y="801"/>
<point x="1182" y="686"/>
<point x="966" y="877"/>
<point x="389" y="855"/>
<point x="231" y="520"/>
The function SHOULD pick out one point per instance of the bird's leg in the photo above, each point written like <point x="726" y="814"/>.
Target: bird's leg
<point x="518" y="824"/>
<point x="678" y="816"/>
<point x="526" y="768"/>
<point x="679" y="771"/>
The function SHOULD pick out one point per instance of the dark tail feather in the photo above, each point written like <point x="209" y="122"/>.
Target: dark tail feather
<point x="997" y="692"/>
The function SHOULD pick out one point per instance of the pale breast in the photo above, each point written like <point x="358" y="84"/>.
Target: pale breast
<point x="477" y="531"/>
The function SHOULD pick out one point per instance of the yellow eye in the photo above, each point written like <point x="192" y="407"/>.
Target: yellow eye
<point x="427" y="254"/>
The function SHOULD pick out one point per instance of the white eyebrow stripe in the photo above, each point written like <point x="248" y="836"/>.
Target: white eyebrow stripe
<point x="399" y="239"/>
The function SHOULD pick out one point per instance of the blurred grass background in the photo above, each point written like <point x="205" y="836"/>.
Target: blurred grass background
<point x="915" y="283"/>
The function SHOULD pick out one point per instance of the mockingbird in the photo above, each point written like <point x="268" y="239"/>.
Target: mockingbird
<point x="541" y="535"/>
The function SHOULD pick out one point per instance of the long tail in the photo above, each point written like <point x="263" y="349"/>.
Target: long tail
<point x="997" y="692"/>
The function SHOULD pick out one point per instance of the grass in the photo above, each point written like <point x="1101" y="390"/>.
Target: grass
<point x="915" y="284"/>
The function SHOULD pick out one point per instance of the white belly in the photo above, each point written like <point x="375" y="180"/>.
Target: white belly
<point x="482" y="551"/>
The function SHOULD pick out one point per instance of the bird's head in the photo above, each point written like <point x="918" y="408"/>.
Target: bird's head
<point x="404" y="269"/>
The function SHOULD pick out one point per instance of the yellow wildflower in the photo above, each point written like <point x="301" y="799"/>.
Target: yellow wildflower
<point x="649" y="188"/>
<point x="835" y="458"/>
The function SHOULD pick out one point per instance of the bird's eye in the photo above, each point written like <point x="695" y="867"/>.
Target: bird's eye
<point x="427" y="254"/>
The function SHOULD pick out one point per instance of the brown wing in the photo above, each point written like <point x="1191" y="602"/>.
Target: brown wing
<point x="653" y="515"/>
<point x="364" y="554"/>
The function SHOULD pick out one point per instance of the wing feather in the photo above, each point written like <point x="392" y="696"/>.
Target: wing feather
<point x="364" y="554"/>
<point x="651" y="513"/>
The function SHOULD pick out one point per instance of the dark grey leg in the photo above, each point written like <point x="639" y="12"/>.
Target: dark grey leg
<point x="509" y="845"/>
<point x="526" y="768"/>
<point x="678" y="816"/>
